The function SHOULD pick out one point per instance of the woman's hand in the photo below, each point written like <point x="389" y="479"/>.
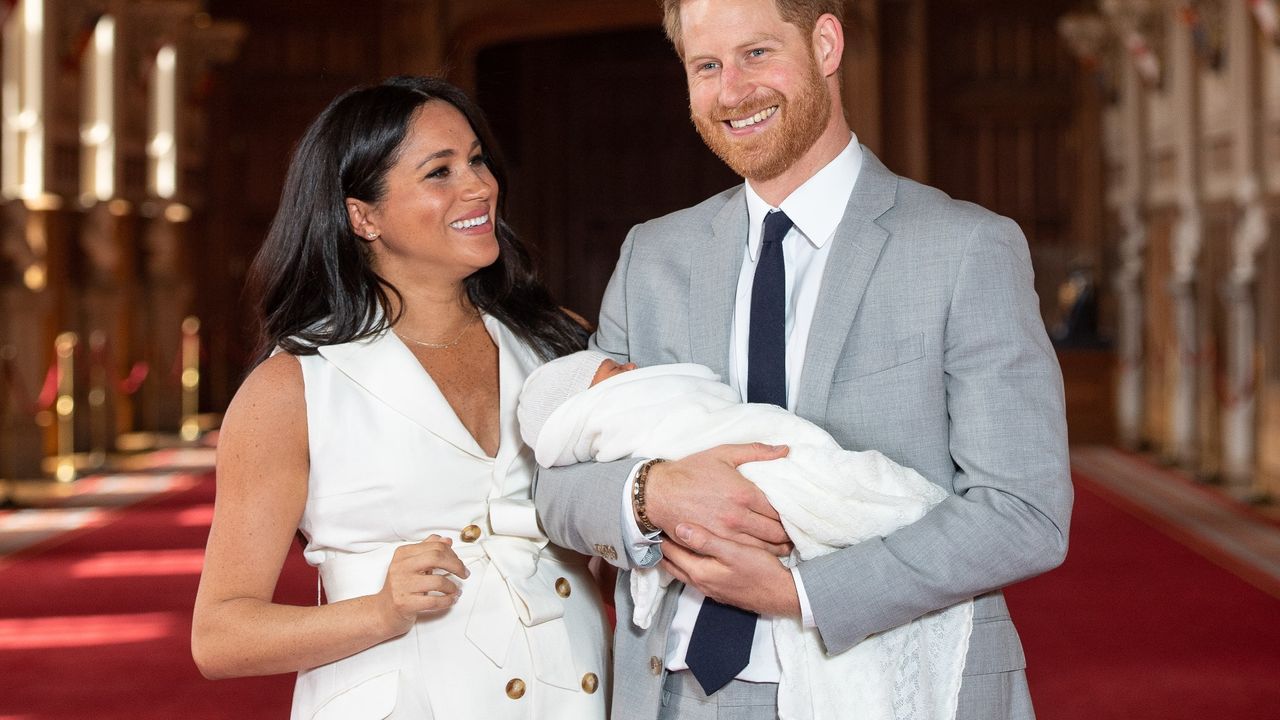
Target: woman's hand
<point x="414" y="586"/>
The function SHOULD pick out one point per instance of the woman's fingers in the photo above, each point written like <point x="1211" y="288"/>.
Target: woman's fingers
<point x="432" y="592"/>
<point x="416" y="592"/>
<point x="430" y="555"/>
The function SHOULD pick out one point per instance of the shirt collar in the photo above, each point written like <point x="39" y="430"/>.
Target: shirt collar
<point x="817" y="206"/>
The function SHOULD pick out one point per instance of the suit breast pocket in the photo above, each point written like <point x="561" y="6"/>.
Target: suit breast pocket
<point x="994" y="647"/>
<point x="871" y="356"/>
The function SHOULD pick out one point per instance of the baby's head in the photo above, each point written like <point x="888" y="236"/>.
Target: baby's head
<point x="548" y="387"/>
<point x="608" y="369"/>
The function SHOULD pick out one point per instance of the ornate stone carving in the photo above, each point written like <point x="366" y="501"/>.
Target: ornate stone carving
<point x="1087" y="35"/>
<point x="1270" y="85"/>
<point x="1141" y="31"/>
<point x="1128" y="285"/>
<point x="1267" y="15"/>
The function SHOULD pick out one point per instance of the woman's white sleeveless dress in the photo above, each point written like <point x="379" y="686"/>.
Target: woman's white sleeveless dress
<point x="391" y="464"/>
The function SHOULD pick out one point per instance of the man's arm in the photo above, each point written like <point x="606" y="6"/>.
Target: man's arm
<point x="1008" y="518"/>
<point x="579" y="504"/>
<point x="583" y="506"/>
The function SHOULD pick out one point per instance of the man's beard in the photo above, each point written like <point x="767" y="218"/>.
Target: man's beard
<point x="765" y="156"/>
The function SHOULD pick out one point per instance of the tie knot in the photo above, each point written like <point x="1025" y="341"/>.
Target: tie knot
<point x="776" y="225"/>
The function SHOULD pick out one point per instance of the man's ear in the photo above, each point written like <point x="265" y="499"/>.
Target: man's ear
<point x="828" y="44"/>
<point x="360" y="215"/>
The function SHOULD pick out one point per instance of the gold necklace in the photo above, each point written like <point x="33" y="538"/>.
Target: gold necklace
<point x="440" y="346"/>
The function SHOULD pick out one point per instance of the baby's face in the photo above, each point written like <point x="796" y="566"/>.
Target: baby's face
<point x="608" y="369"/>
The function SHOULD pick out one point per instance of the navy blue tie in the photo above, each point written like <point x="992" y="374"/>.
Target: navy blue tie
<point x="720" y="646"/>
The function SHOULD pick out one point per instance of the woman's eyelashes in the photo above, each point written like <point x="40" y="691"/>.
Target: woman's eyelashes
<point x="444" y="171"/>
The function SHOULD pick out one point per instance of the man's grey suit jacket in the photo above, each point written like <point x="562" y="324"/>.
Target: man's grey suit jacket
<point x="927" y="345"/>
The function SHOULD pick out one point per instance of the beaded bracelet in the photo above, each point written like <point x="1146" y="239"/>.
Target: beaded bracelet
<point x="638" y="497"/>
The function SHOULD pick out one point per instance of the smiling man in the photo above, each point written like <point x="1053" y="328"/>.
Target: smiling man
<point x="893" y="316"/>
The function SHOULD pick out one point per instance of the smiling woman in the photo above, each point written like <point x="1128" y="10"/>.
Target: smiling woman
<point x="400" y="317"/>
<point x="436" y="215"/>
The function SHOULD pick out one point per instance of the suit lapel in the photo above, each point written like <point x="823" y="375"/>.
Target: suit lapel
<point x="855" y="250"/>
<point x="713" y="284"/>
<point x="387" y="370"/>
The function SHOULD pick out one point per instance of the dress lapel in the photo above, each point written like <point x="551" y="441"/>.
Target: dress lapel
<point x="515" y="362"/>
<point x="387" y="370"/>
<point x="855" y="250"/>
<point x="713" y="284"/>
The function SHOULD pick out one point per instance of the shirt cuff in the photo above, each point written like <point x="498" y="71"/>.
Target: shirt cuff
<point x="644" y="548"/>
<point x="806" y="612"/>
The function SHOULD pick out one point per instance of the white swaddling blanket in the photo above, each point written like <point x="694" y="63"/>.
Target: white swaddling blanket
<point x="828" y="498"/>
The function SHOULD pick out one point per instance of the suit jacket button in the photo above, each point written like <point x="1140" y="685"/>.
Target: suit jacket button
<point x="655" y="665"/>
<point x="563" y="588"/>
<point x="590" y="682"/>
<point x="470" y="533"/>
<point x="515" y="689"/>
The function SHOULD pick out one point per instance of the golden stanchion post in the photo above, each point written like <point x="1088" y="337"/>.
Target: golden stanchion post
<point x="99" y="427"/>
<point x="64" y="406"/>
<point x="190" y="431"/>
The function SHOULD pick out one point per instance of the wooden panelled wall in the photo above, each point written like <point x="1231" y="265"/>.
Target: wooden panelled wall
<point x="1012" y="127"/>
<point x="975" y="96"/>
<point x="109" y="267"/>
<point x="587" y="99"/>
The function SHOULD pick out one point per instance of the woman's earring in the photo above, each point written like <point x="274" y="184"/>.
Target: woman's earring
<point x="373" y="236"/>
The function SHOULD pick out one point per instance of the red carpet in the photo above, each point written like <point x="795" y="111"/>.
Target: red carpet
<point x="96" y="624"/>
<point x="1135" y="625"/>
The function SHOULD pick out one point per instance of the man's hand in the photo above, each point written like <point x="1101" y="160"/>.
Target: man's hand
<point x="706" y="487"/>
<point x="734" y="574"/>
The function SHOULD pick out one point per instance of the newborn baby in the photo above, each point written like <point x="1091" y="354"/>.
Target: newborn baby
<point x="587" y="407"/>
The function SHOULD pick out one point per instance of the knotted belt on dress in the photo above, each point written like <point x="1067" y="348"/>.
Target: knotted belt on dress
<point x="504" y="578"/>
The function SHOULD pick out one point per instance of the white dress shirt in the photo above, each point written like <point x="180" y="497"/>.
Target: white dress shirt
<point x="815" y="209"/>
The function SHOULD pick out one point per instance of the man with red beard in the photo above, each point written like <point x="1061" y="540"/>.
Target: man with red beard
<point x="896" y="318"/>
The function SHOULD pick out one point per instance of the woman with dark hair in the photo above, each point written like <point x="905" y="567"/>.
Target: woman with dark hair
<point x="400" y="316"/>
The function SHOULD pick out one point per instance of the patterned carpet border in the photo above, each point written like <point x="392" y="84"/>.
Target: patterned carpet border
<point x="1213" y="525"/>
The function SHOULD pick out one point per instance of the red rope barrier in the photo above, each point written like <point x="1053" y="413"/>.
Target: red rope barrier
<point x="103" y="355"/>
<point x="48" y="391"/>
<point x="133" y="382"/>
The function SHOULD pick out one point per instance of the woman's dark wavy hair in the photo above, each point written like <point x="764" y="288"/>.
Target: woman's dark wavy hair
<point x="314" y="281"/>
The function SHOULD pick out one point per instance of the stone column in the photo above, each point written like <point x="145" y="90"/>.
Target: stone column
<point x="1187" y="234"/>
<point x="1240" y="426"/>
<point x="1187" y="238"/>
<point x="1125" y="133"/>
<point x="1239" y="412"/>
<point x="1131" y="380"/>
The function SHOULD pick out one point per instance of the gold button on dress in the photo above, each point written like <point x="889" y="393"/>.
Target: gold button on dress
<point x="590" y="682"/>
<point x="470" y="533"/>
<point x="563" y="588"/>
<point x="515" y="689"/>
